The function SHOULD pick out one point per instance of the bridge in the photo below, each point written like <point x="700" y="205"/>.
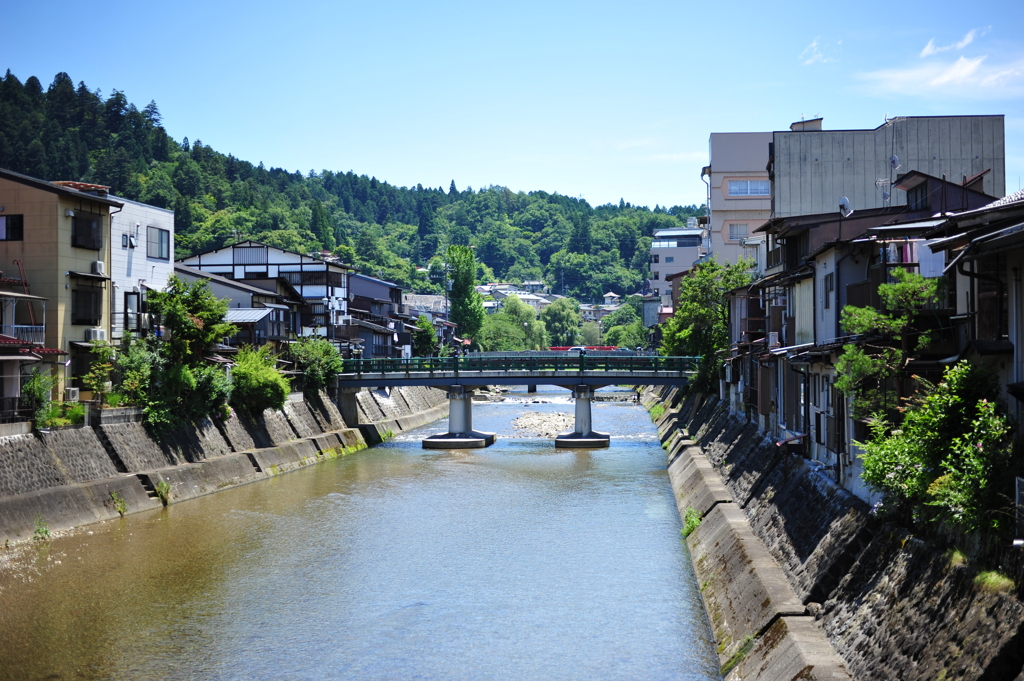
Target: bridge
<point x="581" y="373"/>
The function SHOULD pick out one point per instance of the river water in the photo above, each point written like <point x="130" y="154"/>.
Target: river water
<point x="518" y="561"/>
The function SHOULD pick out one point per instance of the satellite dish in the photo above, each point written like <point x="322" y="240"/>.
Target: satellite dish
<point x="885" y="196"/>
<point x="845" y="209"/>
<point x="894" y="161"/>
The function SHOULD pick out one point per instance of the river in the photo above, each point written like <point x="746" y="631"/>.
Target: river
<point x="518" y="561"/>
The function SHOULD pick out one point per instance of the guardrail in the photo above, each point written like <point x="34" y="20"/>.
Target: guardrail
<point x="564" y="362"/>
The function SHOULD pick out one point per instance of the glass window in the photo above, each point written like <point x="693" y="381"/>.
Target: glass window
<point x="749" y="188"/>
<point x="670" y="258"/>
<point x="87" y="231"/>
<point x="737" y="232"/>
<point x="11" y="228"/>
<point x="158" y="243"/>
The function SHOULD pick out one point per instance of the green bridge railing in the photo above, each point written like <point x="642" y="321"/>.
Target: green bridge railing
<point x="525" y="363"/>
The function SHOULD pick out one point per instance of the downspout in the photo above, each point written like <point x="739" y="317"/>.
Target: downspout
<point x="1000" y="292"/>
<point x="110" y="244"/>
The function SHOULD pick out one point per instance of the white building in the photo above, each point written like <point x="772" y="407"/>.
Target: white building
<point x="141" y="259"/>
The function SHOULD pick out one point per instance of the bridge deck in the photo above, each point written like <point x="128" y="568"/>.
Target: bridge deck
<point x="523" y="370"/>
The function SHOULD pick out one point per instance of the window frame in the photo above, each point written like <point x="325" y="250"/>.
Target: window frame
<point x="163" y="243"/>
<point x="96" y="315"/>
<point x="746" y="230"/>
<point x="733" y="188"/>
<point x="12" y="232"/>
<point x="87" y="232"/>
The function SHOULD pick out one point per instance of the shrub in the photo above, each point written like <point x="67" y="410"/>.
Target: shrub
<point x="257" y="384"/>
<point x="691" y="521"/>
<point x="36" y="395"/>
<point x="657" y="411"/>
<point x="319" y="360"/>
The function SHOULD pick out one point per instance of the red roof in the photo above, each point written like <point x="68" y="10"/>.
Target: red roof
<point x="11" y="340"/>
<point x="44" y="351"/>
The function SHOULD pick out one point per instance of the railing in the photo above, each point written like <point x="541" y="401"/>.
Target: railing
<point x="525" y="363"/>
<point x="29" y="334"/>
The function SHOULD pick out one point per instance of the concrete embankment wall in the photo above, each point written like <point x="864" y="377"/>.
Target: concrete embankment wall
<point x="79" y="475"/>
<point x="799" y="581"/>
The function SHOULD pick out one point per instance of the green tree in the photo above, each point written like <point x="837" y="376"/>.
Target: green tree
<point x="951" y="458"/>
<point x="591" y="333"/>
<point x="632" y="335"/>
<point x="467" y="307"/>
<point x="193" y="316"/>
<point x="865" y="370"/>
<point x="322" y="226"/>
<point x="562" y="321"/>
<point x="699" y="327"/>
<point x="624" y="316"/>
<point x="500" y="334"/>
<point x="525" y="318"/>
<point x="257" y="384"/>
<point x="424" y="338"/>
<point x="319" y="360"/>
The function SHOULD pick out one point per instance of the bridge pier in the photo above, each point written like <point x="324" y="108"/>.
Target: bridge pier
<point x="583" y="437"/>
<point x="460" y="433"/>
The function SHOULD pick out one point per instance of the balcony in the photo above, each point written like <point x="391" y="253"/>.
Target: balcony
<point x="23" y="332"/>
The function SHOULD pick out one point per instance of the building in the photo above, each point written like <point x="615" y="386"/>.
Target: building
<point x="59" y="237"/>
<point x="673" y="251"/>
<point x="786" y="330"/>
<point x="262" y="316"/>
<point x="811" y="168"/>
<point x="141" y="260"/>
<point x="381" y="323"/>
<point x="321" y="285"/>
<point x="806" y="170"/>
<point x="739" y="194"/>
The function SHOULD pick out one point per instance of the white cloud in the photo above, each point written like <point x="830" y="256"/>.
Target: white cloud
<point x="963" y="78"/>
<point x="931" y="49"/>
<point x="812" y="54"/>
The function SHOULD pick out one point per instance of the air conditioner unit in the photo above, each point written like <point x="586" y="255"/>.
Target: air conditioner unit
<point x="98" y="267"/>
<point x="70" y="394"/>
<point x="96" y="334"/>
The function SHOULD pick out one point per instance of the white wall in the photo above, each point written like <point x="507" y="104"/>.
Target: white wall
<point x="130" y="266"/>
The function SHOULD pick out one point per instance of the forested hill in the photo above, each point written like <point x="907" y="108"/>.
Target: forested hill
<point x="69" y="132"/>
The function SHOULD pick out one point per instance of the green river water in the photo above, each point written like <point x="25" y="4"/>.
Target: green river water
<point x="518" y="561"/>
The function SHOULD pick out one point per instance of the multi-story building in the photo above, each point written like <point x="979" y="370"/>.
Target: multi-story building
<point x="323" y="286"/>
<point x="59" y="237"/>
<point x="673" y="251"/>
<point x="141" y="260"/>
<point x="740" y="192"/>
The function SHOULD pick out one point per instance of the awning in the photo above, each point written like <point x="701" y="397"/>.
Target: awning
<point x="89" y="275"/>
<point x="790" y="348"/>
<point x="245" y="315"/>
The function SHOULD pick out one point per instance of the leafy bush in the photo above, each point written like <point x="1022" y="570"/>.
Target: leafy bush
<point x="319" y="360"/>
<point x="74" y="413"/>
<point x="951" y="458"/>
<point x="36" y="395"/>
<point x="657" y="411"/>
<point x="691" y="521"/>
<point x="257" y="384"/>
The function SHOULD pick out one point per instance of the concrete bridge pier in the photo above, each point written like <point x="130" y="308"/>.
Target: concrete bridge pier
<point x="460" y="433"/>
<point x="583" y="437"/>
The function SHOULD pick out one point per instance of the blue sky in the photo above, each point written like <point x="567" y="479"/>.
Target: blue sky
<point x="595" y="99"/>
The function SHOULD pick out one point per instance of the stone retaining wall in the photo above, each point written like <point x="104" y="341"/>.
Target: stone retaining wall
<point x="878" y="604"/>
<point x="66" y="476"/>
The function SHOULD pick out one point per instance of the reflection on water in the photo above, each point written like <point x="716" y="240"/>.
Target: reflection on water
<point x="518" y="561"/>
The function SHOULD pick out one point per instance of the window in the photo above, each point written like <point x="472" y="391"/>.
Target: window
<point x="670" y="258"/>
<point x="749" y="188"/>
<point x="158" y="243"/>
<point x="12" y="228"/>
<point x="828" y="287"/>
<point x="87" y="230"/>
<point x="654" y="258"/>
<point x="737" y="232"/>
<point x="655" y="276"/>
<point x="86" y="306"/>
<point x="917" y="198"/>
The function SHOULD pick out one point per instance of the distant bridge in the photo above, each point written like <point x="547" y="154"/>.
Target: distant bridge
<point x="581" y="373"/>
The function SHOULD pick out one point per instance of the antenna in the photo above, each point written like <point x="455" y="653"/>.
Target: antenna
<point x="894" y="161"/>
<point x="845" y="209"/>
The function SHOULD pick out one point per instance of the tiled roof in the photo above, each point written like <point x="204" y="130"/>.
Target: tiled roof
<point x="1009" y="198"/>
<point x="43" y="351"/>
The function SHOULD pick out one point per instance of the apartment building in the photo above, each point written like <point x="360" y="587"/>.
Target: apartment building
<point x="740" y="192"/>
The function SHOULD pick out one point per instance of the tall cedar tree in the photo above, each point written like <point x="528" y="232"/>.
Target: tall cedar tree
<point x="467" y="305"/>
